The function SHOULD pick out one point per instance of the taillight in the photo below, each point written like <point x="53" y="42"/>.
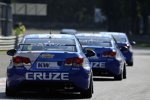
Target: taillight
<point x="78" y="60"/>
<point x="109" y="54"/>
<point x="26" y="60"/>
<point x="69" y="61"/>
<point x="17" y="60"/>
<point x="74" y="61"/>
<point x="20" y="61"/>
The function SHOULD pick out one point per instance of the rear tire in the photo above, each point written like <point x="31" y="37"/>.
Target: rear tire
<point x="124" y="73"/>
<point x="130" y="63"/>
<point x="88" y="93"/>
<point x="10" y="92"/>
<point x="119" y="77"/>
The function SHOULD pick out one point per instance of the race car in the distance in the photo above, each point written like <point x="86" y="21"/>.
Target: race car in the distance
<point x="49" y="62"/>
<point x="108" y="60"/>
<point x="124" y="44"/>
<point x="68" y="31"/>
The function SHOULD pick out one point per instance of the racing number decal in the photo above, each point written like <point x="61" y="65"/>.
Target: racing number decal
<point x="98" y="64"/>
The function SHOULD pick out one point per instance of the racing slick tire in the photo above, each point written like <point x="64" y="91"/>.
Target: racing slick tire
<point x="130" y="63"/>
<point x="124" y="73"/>
<point x="119" y="77"/>
<point x="10" y="92"/>
<point x="88" y="93"/>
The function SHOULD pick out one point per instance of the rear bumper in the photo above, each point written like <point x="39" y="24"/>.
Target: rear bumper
<point x="47" y="85"/>
<point x="78" y="80"/>
<point x="111" y="68"/>
<point x="128" y="56"/>
<point x="102" y="72"/>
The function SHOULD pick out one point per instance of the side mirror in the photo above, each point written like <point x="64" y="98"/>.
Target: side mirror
<point x="90" y="53"/>
<point x="11" y="52"/>
<point x="132" y="42"/>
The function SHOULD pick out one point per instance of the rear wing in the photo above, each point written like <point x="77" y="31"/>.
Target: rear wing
<point x="42" y="46"/>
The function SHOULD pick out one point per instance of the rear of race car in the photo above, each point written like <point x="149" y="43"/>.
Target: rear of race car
<point x="53" y="63"/>
<point x="104" y="63"/>
<point x="125" y="46"/>
<point x="48" y="70"/>
<point x="127" y="52"/>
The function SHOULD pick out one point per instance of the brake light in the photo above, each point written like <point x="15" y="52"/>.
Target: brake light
<point x="109" y="54"/>
<point x="74" y="61"/>
<point x="19" y="61"/>
<point x="26" y="60"/>
<point x="78" y="60"/>
<point x="69" y="61"/>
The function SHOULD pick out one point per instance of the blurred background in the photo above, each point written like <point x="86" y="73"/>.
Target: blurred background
<point x="129" y="16"/>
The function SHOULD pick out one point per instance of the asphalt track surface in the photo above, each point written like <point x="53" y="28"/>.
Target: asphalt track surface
<point x="135" y="87"/>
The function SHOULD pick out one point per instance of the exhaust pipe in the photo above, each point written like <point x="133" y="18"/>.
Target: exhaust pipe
<point x="68" y="87"/>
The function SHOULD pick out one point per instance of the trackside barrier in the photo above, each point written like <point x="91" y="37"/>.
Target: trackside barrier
<point x="8" y="42"/>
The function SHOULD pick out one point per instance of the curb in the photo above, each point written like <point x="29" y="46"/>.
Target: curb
<point x="2" y="81"/>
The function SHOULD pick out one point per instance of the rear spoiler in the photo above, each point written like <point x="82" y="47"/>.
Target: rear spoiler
<point x="48" y="44"/>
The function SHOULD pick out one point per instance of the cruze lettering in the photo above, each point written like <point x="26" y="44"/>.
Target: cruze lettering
<point x="38" y="75"/>
<point x="46" y="76"/>
<point x="56" y="76"/>
<point x="98" y="64"/>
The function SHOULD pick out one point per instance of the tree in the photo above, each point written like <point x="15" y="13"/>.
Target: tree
<point x="116" y="13"/>
<point x="126" y="15"/>
<point x="144" y="6"/>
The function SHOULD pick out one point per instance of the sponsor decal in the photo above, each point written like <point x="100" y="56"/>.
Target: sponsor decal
<point x="47" y="65"/>
<point x="98" y="64"/>
<point x="47" y="55"/>
<point x="46" y="76"/>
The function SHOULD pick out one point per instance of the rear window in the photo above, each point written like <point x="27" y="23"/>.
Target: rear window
<point x="120" y="38"/>
<point x="49" y="45"/>
<point x="95" y="41"/>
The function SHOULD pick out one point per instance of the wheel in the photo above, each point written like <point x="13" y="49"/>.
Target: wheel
<point x="10" y="91"/>
<point x="119" y="77"/>
<point x="124" y="73"/>
<point x="88" y="93"/>
<point x="130" y="63"/>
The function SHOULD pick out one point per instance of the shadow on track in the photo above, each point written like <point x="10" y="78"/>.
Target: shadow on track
<point x="58" y="96"/>
<point x="103" y="79"/>
<point x="2" y="95"/>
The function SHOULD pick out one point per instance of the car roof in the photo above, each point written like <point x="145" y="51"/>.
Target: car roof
<point x="94" y="34"/>
<point x="45" y="35"/>
<point x="114" y="33"/>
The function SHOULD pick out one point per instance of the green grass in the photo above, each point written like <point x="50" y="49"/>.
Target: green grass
<point x="143" y="45"/>
<point x="141" y="40"/>
<point x="2" y="52"/>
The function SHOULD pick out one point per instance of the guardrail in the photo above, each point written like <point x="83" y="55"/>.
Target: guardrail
<point x="7" y="43"/>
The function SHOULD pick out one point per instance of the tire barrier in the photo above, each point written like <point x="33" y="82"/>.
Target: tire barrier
<point x="7" y="43"/>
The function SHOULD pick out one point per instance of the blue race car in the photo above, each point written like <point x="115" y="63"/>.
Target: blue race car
<point x="124" y="44"/>
<point x="68" y="31"/>
<point x="49" y="62"/>
<point x="108" y="60"/>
